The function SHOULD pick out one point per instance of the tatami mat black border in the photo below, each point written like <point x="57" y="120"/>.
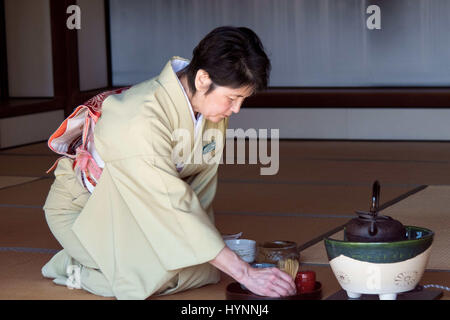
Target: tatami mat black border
<point x="317" y="183"/>
<point x="284" y="214"/>
<point x="29" y="250"/>
<point x="24" y="183"/>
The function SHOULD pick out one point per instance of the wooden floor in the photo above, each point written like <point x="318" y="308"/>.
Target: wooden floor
<point x="318" y="187"/>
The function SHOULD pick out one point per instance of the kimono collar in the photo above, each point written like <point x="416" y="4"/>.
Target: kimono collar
<point x="169" y="80"/>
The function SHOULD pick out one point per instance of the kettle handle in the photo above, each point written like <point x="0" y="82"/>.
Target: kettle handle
<point x="375" y="198"/>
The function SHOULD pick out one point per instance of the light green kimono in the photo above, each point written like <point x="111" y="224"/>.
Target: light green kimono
<point x="145" y="223"/>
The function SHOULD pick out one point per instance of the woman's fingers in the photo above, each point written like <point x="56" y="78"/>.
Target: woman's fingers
<point x="288" y="280"/>
<point x="282" y="289"/>
<point x="271" y="282"/>
<point x="281" y="282"/>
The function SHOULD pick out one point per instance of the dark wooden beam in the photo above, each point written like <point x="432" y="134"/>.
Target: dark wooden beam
<point x="65" y="55"/>
<point x="108" y="41"/>
<point x="15" y="107"/>
<point x="4" y="89"/>
<point x="396" y="97"/>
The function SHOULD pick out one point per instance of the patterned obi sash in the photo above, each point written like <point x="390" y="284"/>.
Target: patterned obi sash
<point x="75" y="139"/>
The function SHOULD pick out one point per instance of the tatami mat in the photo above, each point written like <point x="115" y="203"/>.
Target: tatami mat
<point x="429" y="208"/>
<point x="21" y="279"/>
<point x="29" y="194"/>
<point x="316" y="254"/>
<point x="367" y="150"/>
<point x="298" y="199"/>
<point x="25" y="227"/>
<point x="246" y="198"/>
<point x="8" y="181"/>
<point x="318" y="187"/>
<point x="267" y="228"/>
<point x="30" y="166"/>
<point x="344" y="172"/>
<point x="35" y="149"/>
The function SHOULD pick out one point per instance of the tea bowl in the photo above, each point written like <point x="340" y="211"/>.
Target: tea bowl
<point x="273" y="251"/>
<point x="263" y="265"/>
<point x="382" y="268"/>
<point x="244" y="248"/>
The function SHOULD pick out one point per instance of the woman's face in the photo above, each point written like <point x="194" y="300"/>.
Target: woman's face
<point x="221" y="102"/>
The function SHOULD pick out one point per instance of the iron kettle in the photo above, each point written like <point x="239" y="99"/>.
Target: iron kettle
<point x="373" y="227"/>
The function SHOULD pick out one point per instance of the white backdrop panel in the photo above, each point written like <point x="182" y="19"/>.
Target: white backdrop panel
<point x="310" y="42"/>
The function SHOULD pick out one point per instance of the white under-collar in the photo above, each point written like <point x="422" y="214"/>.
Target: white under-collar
<point x="178" y="65"/>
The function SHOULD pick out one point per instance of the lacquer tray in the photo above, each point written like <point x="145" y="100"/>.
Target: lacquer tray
<point x="235" y="292"/>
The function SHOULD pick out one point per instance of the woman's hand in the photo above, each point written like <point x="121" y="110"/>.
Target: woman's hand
<point x="270" y="282"/>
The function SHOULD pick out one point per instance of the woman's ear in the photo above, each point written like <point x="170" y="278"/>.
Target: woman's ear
<point x="202" y="81"/>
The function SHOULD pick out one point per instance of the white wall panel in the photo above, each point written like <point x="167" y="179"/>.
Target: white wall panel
<point x="29" y="128"/>
<point x="310" y="42"/>
<point x="351" y="124"/>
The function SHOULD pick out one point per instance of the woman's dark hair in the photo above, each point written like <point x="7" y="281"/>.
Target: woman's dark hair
<point x="233" y="57"/>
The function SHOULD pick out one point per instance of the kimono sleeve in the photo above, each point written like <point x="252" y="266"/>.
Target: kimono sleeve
<point x="205" y="186"/>
<point x="167" y="211"/>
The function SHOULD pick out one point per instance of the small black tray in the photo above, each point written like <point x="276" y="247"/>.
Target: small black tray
<point x="235" y="292"/>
